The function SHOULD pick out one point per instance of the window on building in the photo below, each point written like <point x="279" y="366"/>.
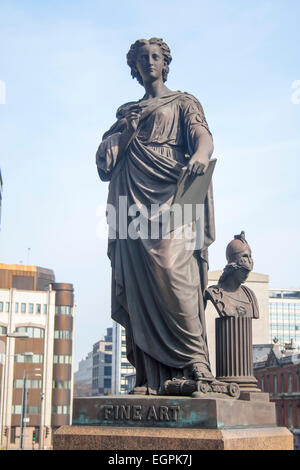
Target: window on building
<point x="63" y="310"/>
<point x="45" y="309"/>
<point x="23" y="307"/>
<point x="3" y="330"/>
<point x="275" y="383"/>
<point x="18" y="383"/>
<point x="33" y="332"/>
<point x="13" y="435"/>
<point x="290" y="382"/>
<point x="61" y="410"/>
<point x="30" y="308"/>
<point x="108" y="358"/>
<point x="62" y="334"/>
<point x="1" y="306"/>
<point x="16" y="307"/>
<point x="62" y="359"/>
<point x="16" y="409"/>
<point x="290" y="416"/>
<point x="107" y="370"/>
<point x="7" y="307"/>
<point x="107" y="383"/>
<point x="282" y="383"/>
<point x="38" y="308"/>
<point x="62" y="384"/>
<point x="108" y="347"/>
<point x="35" y="358"/>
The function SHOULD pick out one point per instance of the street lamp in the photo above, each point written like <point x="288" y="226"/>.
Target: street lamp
<point x="24" y="405"/>
<point x="15" y="334"/>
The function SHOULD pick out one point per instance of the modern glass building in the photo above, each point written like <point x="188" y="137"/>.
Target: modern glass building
<point x="284" y="308"/>
<point x="121" y="367"/>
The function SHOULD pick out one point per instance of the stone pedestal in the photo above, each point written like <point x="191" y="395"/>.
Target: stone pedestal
<point x="168" y="423"/>
<point x="234" y="362"/>
<point x="114" y="438"/>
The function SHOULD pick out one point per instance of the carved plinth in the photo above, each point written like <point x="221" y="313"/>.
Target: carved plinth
<point x="234" y="361"/>
<point x="172" y="423"/>
<point x="171" y="412"/>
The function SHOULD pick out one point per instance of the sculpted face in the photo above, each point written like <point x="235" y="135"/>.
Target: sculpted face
<point x="150" y="62"/>
<point x="244" y="259"/>
<point x="245" y="262"/>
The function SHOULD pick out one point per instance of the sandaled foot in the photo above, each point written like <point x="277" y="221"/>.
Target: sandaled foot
<point x="201" y="372"/>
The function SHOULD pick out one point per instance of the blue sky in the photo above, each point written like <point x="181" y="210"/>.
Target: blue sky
<point x="64" y="67"/>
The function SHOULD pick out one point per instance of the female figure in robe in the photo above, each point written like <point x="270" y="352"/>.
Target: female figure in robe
<point x="157" y="283"/>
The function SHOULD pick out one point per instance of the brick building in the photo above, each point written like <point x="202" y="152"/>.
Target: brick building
<point x="278" y="373"/>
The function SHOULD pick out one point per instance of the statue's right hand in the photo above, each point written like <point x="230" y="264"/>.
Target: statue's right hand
<point x="132" y="121"/>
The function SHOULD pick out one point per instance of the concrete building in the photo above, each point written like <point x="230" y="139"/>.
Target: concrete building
<point x="278" y="373"/>
<point x="32" y="303"/>
<point x="102" y="365"/>
<point x="83" y="377"/>
<point x="120" y="365"/>
<point x="284" y="307"/>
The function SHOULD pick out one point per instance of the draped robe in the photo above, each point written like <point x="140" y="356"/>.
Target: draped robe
<point x="157" y="284"/>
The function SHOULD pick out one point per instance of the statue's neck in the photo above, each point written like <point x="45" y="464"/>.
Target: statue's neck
<point x="155" y="89"/>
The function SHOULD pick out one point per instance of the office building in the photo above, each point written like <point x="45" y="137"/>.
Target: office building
<point x="102" y="365"/>
<point x="36" y="373"/>
<point x="83" y="377"/>
<point x="121" y="367"/>
<point x="284" y="307"/>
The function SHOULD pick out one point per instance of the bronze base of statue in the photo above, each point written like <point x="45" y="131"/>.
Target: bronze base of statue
<point x="173" y="423"/>
<point x="201" y="388"/>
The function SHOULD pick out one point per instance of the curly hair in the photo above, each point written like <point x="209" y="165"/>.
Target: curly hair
<point x="132" y="56"/>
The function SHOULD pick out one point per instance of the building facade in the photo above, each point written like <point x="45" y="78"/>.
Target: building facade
<point x="36" y="372"/>
<point x="83" y="377"/>
<point x="102" y="365"/>
<point x="284" y="307"/>
<point x="278" y="373"/>
<point x="121" y="367"/>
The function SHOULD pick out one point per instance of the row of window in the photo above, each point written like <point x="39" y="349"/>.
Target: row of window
<point x="35" y="308"/>
<point x="62" y="334"/>
<point x="62" y="359"/>
<point x="266" y="384"/>
<point x="285" y="326"/>
<point x="18" y="383"/>
<point x="30" y="409"/>
<point x="61" y="410"/>
<point x="24" y="308"/>
<point x="63" y="310"/>
<point x="36" y="410"/>
<point x="291" y="318"/>
<point x="62" y="384"/>
<point x="284" y="307"/>
<point x="32" y="331"/>
<point x="34" y="358"/>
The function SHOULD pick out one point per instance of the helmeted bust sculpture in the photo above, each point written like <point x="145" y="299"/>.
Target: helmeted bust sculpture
<point x="230" y="297"/>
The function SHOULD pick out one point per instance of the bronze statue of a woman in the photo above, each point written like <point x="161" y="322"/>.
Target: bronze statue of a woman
<point x="157" y="283"/>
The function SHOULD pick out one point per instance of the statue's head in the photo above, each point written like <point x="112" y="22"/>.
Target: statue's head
<point x="149" y="59"/>
<point x="239" y="259"/>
